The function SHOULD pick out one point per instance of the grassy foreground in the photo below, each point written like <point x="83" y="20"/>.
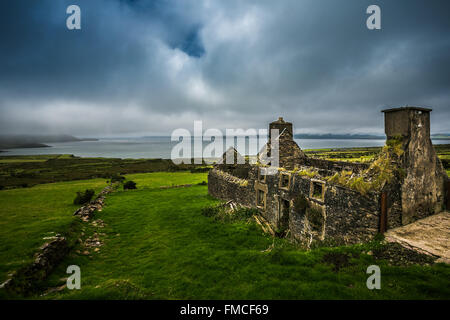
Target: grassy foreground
<point x="158" y="245"/>
<point x="28" y="215"/>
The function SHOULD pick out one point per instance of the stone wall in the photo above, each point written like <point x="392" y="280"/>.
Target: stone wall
<point x="24" y="281"/>
<point x="423" y="189"/>
<point x="224" y="186"/>
<point x="27" y="279"/>
<point x="394" y="204"/>
<point x="344" y="214"/>
<point x="351" y="216"/>
<point x="336" y="166"/>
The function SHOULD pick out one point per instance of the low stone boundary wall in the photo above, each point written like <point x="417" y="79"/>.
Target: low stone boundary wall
<point x="50" y="254"/>
<point x="177" y="186"/>
<point x="46" y="259"/>
<point x="86" y="211"/>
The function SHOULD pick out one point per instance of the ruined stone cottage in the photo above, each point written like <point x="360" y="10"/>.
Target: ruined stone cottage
<point x="314" y="199"/>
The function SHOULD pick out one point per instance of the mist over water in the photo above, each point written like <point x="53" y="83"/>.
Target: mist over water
<point x="161" y="147"/>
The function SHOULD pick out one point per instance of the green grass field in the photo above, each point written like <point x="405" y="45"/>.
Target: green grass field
<point x="167" y="179"/>
<point x="366" y="154"/>
<point x="28" y="215"/>
<point x="24" y="171"/>
<point x="158" y="245"/>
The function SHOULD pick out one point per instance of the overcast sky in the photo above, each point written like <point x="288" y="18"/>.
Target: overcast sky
<point x="147" y="67"/>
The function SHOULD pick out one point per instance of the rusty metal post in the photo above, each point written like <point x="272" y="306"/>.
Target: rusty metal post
<point x="383" y="214"/>
<point x="448" y="195"/>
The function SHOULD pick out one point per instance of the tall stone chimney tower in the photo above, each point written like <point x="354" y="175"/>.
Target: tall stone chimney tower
<point x="422" y="190"/>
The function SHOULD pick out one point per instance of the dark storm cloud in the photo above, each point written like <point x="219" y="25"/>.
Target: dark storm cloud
<point x="152" y="66"/>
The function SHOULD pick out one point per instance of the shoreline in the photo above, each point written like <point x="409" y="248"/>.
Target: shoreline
<point x="4" y="152"/>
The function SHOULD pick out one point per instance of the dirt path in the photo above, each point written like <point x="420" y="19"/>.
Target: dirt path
<point x="430" y="236"/>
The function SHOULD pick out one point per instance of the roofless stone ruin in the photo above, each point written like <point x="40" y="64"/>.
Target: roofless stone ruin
<point x="315" y="199"/>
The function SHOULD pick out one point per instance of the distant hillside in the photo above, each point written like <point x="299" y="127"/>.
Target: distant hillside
<point x="329" y="136"/>
<point x="338" y="136"/>
<point x="440" y="136"/>
<point x="29" y="141"/>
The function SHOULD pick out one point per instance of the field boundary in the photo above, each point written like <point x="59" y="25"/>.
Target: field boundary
<point x="51" y="253"/>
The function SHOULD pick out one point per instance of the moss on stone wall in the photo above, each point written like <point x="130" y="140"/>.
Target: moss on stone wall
<point x="382" y="170"/>
<point x="231" y="178"/>
<point x="309" y="172"/>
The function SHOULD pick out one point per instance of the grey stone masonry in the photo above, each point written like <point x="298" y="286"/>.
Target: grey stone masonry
<point x="300" y="197"/>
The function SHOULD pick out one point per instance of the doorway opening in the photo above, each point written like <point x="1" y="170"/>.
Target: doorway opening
<point x="283" y="222"/>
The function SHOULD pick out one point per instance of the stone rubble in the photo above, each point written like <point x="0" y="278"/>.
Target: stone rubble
<point x="53" y="251"/>
<point x="48" y="256"/>
<point x="176" y="186"/>
<point x="86" y="212"/>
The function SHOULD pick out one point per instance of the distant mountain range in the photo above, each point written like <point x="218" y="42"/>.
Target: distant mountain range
<point x="39" y="141"/>
<point x="441" y="136"/>
<point x="329" y="136"/>
<point x="30" y="141"/>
